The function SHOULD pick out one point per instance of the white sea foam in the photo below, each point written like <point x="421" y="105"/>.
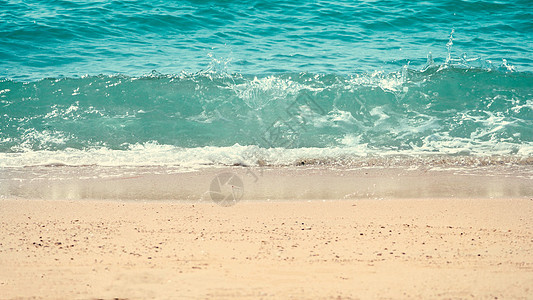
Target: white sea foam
<point x="153" y="154"/>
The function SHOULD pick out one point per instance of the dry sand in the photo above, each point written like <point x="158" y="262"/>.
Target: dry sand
<point x="402" y="248"/>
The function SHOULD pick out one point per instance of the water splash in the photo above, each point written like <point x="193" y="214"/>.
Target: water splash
<point x="449" y="45"/>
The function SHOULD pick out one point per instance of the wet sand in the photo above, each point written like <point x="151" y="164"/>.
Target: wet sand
<point x="354" y="248"/>
<point x="270" y="183"/>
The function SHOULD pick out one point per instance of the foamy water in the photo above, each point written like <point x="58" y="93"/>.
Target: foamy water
<point x="193" y="84"/>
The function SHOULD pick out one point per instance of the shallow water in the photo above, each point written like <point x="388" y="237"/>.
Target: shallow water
<point x="194" y="83"/>
<point x="64" y="38"/>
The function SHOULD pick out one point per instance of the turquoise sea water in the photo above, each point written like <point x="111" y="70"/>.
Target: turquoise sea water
<point x="227" y="82"/>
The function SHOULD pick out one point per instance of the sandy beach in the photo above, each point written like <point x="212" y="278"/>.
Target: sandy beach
<point x="348" y="249"/>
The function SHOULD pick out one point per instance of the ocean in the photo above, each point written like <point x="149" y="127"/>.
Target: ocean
<point x="186" y="84"/>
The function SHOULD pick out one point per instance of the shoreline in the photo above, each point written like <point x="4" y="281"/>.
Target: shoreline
<point x="266" y="183"/>
<point x="401" y="248"/>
